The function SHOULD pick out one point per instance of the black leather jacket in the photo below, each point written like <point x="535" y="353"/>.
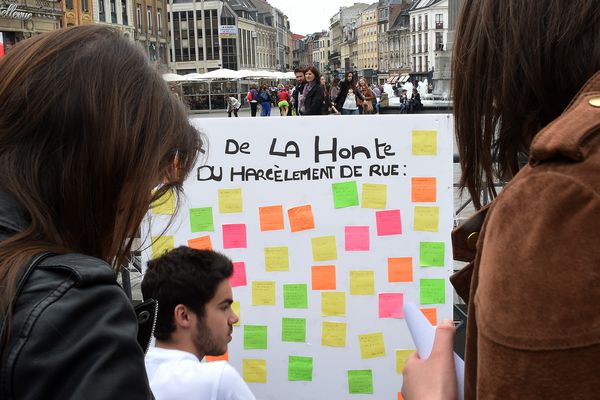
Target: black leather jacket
<point x="73" y="332"/>
<point x="313" y="102"/>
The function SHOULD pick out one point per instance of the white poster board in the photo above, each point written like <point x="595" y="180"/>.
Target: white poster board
<point x="310" y="179"/>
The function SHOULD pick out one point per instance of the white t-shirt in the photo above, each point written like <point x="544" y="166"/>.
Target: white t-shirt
<point x="350" y="102"/>
<point x="179" y="375"/>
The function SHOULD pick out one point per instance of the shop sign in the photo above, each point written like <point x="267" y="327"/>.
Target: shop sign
<point x="227" y="31"/>
<point x="13" y="11"/>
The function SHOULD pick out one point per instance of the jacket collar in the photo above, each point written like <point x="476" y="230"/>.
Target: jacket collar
<point x="13" y="218"/>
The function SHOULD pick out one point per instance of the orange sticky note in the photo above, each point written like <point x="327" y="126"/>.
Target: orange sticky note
<point x="430" y="314"/>
<point x="301" y="218"/>
<point x="400" y="396"/>
<point x="400" y="269"/>
<point x="224" y="357"/>
<point x="201" y="243"/>
<point x="423" y="190"/>
<point x="323" y="277"/>
<point x="271" y="218"/>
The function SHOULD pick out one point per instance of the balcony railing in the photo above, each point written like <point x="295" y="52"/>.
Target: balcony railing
<point x="439" y="25"/>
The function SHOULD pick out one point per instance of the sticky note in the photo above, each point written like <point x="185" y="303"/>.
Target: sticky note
<point x="388" y="222"/>
<point x="362" y="282"/>
<point x="430" y="314"/>
<point x="333" y="304"/>
<point x="295" y="296"/>
<point x="255" y="337"/>
<point x="271" y="218"/>
<point x="390" y="305"/>
<point x="323" y="277"/>
<point x="235" y="306"/>
<point x="224" y="357"/>
<point x="161" y="244"/>
<point x="234" y="236"/>
<point x="293" y="330"/>
<point x="431" y="254"/>
<point x="424" y="143"/>
<point x="401" y="357"/>
<point x="263" y="293"/>
<point x="277" y="259"/>
<point x="333" y="334"/>
<point x="300" y="368"/>
<point x="238" y="278"/>
<point x="360" y="381"/>
<point x="345" y="194"/>
<point x="230" y="201"/>
<point x="165" y="204"/>
<point x="201" y="219"/>
<point x="357" y="238"/>
<point x="423" y="190"/>
<point x="371" y="345"/>
<point x="400" y="269"/>
<point x="324" y="248"/>
<point x="433" y="291"/>
<point x="200" y="243"/>
<point x="301" y="218"/>
<point x="427" y="219"/>
<point x="400" y="397"/>
<point x="374" y="195"/>
<point x="254" y="370"/>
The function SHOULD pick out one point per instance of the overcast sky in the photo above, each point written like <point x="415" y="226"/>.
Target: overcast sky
<point x="309" y="16"/>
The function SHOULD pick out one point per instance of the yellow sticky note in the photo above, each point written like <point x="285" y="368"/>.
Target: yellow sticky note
<point x="254" y="370"/>
<point x="371" y="345"/>
<point x="401" y="357"/>
<point x="165" y="204"/>
<point x="324" y="248"/>
<point x="333" y="334"/>
<point x="236" y="307"/>
<point x="277" y="259"/>
<point x="263" y="293"/>
<point x="333" y="304"/>
<point x="427" y="219"/>
<point x="161" y="244"/>
<point x="230" y="201"/>
<point x="374" y="195"/>
<point x="362" y="282"/>
<point x="424" y="143"/>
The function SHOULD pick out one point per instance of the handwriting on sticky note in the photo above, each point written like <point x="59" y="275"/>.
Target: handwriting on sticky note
<point x="345" y="194"/>
<point x="423" y="190"/>
<point x="427" y="219"/>
<point x="201" y="243"/>
<point x="360" y="381"/>
<point x="165" y="204"/>
<point x="277" y="259"/>
<point x="401" y="357"/>
<point x="263" y="293"/>
<point x="371" y="345"/>
<point x="271" y="218"/>
<point x="323" y="277"/>
<point x="254" y="370"/>
<point x="388" y="222"/>
<point x="230" y="201"/>
<point x="374" y="195"/>
<point x="161" y="244"/>
<point x="324" y="248"/>
<point x="295" y="296"/>
<point x="301" y="218"/>
<point x="201" y="219"/>
<point x="234" y="236"/>
<point x="357" y="238"/>
<point x="333" y="304"/>
<point x="400" y="269"/>
<point x="433" y="291"/>
<point x="362" y="282"/>
<point x="333" y="334"/>
<point x="224" y="357"/>
<point x="236" y="307"/>
<point x="255" y="337"/>
<point x="430" y="314"/>
<point x="424" y="143"/>
<point x="300" y="368"/>
<point x="390" y="305"/>
<point x="238" y="278"/>
<point x="293" y="330"/>
<point x="431" y="254"/>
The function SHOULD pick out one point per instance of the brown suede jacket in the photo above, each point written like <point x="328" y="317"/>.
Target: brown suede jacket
<point x="533" y="286"/>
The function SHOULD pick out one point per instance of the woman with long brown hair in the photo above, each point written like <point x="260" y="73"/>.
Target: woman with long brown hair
<point x="526" y="86"/>
<point x="90" y="136"/>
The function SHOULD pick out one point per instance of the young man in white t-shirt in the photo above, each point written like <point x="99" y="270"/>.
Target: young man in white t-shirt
<point x="194" y="320"/>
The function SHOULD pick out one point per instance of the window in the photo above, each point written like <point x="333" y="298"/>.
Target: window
<point x="69" y="4"/>
<point x="426" y="19"/>
<point x="439" y="41"/>
<point x="159" y="20"/>
<point x="101" y="12"/>
<point x="420" y="24"/>
<point x="113" y="11"/>
<point x="138" y="15"/>
<point x="85" y="7"/>
<point x="149" y="17"/>
<point x="124" y="12"/>
<point x="425" y="43"/>
<point x="439" y="21"/>
<point x="426" y="63"/>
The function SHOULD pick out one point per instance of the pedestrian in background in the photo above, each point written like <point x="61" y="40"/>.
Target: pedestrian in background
<point x="283" y="97"/>
<point x="348" y="99"/>
<point x="312" y="94"/>
<point x="326" y="109"/>
<point x="233" y="105"/>
<point x="253" y="97"/>
<point x="368" y="96"/>
<point x="265" y="101"/>
<point x="298" y="89"/>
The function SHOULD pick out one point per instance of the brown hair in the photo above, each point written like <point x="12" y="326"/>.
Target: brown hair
<point x="315" y="72"/>
<point x="87" y="130"/>
<point x="517" y="65"/>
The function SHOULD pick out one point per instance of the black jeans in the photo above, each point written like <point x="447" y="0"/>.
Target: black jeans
<point x="234" y="110"/>
<point x="253" y="108"/>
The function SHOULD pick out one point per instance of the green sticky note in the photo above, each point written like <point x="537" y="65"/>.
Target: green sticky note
<point x="431" y="254"/>
<point x="300" y="368"/>
<point x="345" y="194"/>
<point x="433" y="291"/>
<point x="293" y="330"/>
<point x="201" y="219"/>
<point x="360" y="381"/>
<point x="255" y="337"/>
<point x="295" y="296"/>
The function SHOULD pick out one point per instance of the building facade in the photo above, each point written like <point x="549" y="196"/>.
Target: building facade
<point x="116" y="13"/>
<point x="247" y="15"/>
<point x="151" y="30"/>
<point x="77" y="12"/>
<point x="368" y="49"/>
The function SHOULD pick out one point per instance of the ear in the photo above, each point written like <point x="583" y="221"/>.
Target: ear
<point x="182" y="316"/>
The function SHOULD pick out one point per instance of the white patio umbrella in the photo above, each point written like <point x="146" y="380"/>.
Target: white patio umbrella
<point x="222" y="73"/>
<point x="173" y="78"/>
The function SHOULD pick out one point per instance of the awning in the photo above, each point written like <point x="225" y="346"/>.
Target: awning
<point x="391" y="79"/>
<point x="404" y="78"/>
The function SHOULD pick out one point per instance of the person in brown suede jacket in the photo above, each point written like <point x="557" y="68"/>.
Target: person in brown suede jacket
<point x="533" y="281"/>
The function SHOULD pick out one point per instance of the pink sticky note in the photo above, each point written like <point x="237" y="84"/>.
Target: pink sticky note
<point x="388" y="223"/>
<point x="390" y="305"/>
<point x="238" y="278"/>
<point x="357" y="238"/>
<point x="234" y="236"/>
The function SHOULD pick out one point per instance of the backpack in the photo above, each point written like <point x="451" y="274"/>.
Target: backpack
<point x="249" y="96"/>
<point x="263" y="96"/>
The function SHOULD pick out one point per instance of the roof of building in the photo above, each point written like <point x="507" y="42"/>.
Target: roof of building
<point x="245" y="5"/>
<point x="418" y="4"/>
<point x="296" y="36"/>
<point x="372" y="7"/>
<point x="262" y="6"/>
